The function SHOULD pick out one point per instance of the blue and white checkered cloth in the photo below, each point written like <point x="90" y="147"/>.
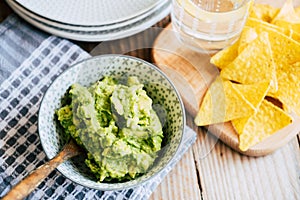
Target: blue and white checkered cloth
<point x="29" y="61"/>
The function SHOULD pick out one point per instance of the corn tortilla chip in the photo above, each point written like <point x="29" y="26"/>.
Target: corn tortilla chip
<point x="297" y="10"/>
<point x="261" y="26"/>
<point x="294" y="35"/>
<point x="222" y="103"/>
<point x="254" y="64"/>
<point x="269" y="32"/>
<point x="286" y="51"/>
<point x="225" y="56"/>
<point x="287" y="13"/>
<point x="268" y="120"/>
<point x="287" y="17"/>
<point x="289" y="88"/>
<point x="295" y="27"/>
<point x="248" y="35"/>
<point x="263" y="12"/>
<point x="255" y="94"/>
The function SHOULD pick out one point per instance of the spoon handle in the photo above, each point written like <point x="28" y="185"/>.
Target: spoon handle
<point x="28" y="184"/>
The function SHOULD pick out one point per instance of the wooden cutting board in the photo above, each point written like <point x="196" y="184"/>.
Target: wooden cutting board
<point x="192" y="73"/>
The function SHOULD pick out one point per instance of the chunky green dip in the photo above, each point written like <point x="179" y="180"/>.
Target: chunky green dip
<point x="117" y="126"/>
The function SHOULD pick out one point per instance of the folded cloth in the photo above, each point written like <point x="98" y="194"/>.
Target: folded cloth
<point x="29" y="61"/>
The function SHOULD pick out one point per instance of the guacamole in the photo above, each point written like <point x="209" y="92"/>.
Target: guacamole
<point x="116" y="124"/>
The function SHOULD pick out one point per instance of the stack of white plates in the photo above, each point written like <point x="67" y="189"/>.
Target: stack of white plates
<point x="92" y="20"/>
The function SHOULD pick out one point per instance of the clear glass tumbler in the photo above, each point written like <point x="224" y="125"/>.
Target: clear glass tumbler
<point x="209" y="25"/>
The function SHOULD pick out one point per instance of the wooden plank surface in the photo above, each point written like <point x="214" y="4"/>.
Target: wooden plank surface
<point x="211" y="170"/>
<point x="225" y="174"/>
<point x="182" y="182"/>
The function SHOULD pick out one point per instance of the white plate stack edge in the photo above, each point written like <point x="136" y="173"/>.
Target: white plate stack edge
<point x="92" y="20"/>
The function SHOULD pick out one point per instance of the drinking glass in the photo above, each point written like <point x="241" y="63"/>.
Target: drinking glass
<point x="209" y="25"/>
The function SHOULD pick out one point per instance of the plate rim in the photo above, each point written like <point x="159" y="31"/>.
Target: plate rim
<point x="57" y="24"/>
<point x="77" y="35"/>
<point x="153" y="4"/>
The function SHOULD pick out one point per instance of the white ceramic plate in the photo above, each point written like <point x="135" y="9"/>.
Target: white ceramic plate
<point x="93" y="36"/>
<point x="88" y="12"/>
<point x="39" y="18"/>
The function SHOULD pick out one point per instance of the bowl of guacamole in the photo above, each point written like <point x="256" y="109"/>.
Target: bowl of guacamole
<point x="123" y="112"/>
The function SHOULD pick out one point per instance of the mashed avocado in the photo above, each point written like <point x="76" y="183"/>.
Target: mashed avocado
<point x="117" y="126"/>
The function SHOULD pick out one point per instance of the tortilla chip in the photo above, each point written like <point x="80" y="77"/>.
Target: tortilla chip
<point x="287" y="17"/>
<point x="295" y="35"/>
<point x="255" y="94"/>
<point x="263" y="12"/>
<point x="248" y="35"/>
<point x="285" y="49"/>
<point x="261" y="26"/>
<point x="254" y="64"/>
<point x="295" y="27"/>
<point x="289" y="88"/>
<point x="225" y="56"/>
<point x="268" y="120"/>
<point x="297" y="11"/>
<point x="222" y="103"/>
<point x="287" y="13"/>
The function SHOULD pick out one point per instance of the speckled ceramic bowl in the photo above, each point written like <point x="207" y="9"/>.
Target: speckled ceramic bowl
<point x="163" y="93"/>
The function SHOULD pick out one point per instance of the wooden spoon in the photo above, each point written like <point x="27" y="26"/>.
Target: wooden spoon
<point x="28" y="184"/>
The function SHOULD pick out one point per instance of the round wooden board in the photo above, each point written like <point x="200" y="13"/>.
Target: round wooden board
<point x="192" y="73"/>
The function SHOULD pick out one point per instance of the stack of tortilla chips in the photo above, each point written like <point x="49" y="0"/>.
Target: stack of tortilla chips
<point x="261" y="68"/>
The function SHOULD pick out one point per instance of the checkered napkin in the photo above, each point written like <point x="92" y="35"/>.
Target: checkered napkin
<point x="29" y="61"/>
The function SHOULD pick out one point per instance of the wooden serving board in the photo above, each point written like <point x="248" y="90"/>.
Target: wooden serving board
<point x="192" y="73"/>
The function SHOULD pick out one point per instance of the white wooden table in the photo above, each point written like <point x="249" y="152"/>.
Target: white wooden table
<point x="211" y="170"/>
